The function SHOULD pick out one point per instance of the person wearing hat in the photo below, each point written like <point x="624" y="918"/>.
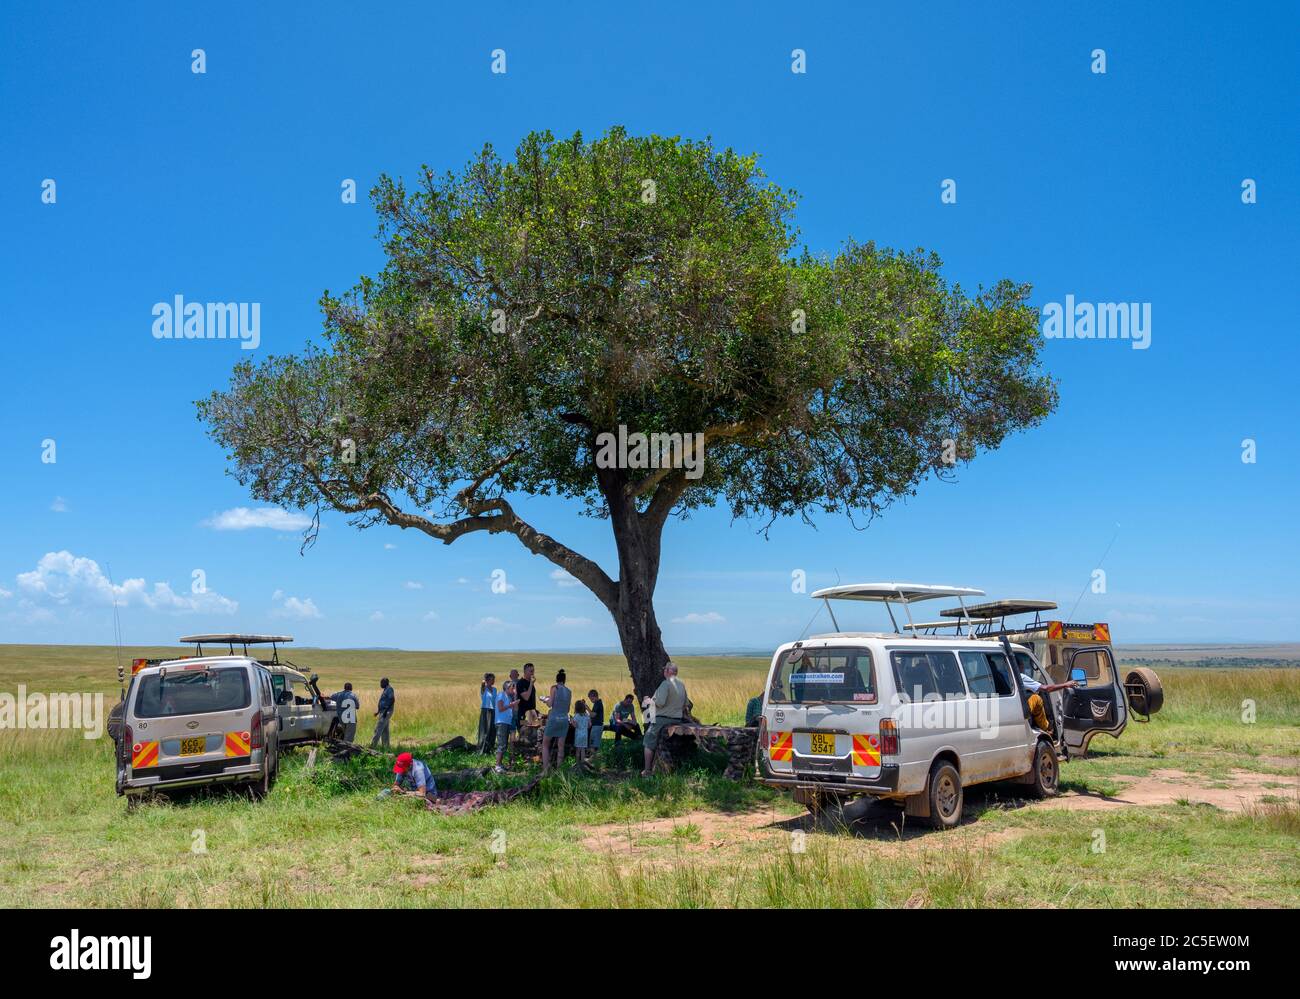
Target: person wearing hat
<point x="412" y="776"/>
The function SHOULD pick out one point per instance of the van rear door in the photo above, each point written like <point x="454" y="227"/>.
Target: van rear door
<point x="824" y="715"/>
<point x="187" y="719"/>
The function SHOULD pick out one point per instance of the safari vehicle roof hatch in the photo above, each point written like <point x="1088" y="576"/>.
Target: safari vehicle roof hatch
<point x="232" y="639"/>
<point x="888" y="594"/>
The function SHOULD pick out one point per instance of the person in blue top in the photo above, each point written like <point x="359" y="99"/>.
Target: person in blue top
<point x="487" y="713"/>
<point x="412" y="776"/>
<point x="384" y="713"/>
<point x="505" y="718"/>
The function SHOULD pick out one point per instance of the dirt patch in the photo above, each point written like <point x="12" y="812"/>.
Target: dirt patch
<point x="694" y="832"/>
<point x="882" y="830"/>
<point x="1167" y="787"/>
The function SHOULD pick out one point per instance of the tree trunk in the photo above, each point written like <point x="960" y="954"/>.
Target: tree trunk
<point x="642" y="642"/>
<point x="636" y="537"/>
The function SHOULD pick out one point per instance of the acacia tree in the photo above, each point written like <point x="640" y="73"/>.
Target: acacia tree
<point x="527" y="307"/>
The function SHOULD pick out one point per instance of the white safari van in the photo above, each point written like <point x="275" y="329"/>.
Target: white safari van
<point x="898" y="716"/>
<point x="200" y="720"/>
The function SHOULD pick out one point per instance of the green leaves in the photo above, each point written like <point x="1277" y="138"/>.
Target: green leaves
<point x="529" y="304"/>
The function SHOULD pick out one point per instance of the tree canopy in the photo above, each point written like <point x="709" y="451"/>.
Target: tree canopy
<point x="529" y="305"/>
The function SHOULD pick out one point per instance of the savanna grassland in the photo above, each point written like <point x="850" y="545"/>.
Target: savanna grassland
<point x="1200" y="807"/>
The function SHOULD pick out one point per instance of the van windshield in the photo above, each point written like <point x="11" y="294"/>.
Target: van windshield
<point x="805" y="676"/>
<point x="193" y="692"/>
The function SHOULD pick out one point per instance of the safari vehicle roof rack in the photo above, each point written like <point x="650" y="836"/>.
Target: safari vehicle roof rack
<point x="991" y="621"/>
<point x="888" y="594"/>
<point x="233" y="639"/>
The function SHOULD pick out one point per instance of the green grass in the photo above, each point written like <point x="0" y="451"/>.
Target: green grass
<point x="692" y="839"/>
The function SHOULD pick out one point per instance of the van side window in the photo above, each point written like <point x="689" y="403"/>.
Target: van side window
<point x="277" y="685"/>
<point x="987" y="674"/>
<point x="927" y="675"/>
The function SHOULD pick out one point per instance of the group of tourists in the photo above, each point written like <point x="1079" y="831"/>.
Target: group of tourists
<point x="579" y="725"/>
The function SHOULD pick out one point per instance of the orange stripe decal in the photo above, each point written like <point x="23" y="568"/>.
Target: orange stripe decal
<point x="1101" y="632"/>
<point x="866" y="751"/>
<point x="236" y="744"/>
<point x="781" y="746"/>
<point x="1055" y="630"/>
<point x="144" y="754"/>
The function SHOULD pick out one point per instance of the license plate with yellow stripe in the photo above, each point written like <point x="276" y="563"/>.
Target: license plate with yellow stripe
<point x="193" y="747"/>
<point x="821" y="744"/>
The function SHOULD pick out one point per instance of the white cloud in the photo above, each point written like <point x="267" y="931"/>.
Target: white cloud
<point x="411" y="584"/>
<point x="66" y="580"/>
<point x="377" y="616"/>
<point x="389" y="547"/>
<point x="462" y="580"/>
<point x="573" y="622"/>
<point x="5" y="594"/>
<point x="294" y="606"/>
<point x="490" y="624"/>
<point x="60" y="505"/>
<point x="712" y="617"/>
<point x="432" y="616"/>
<point x="564" y="578"/>
<point x="241" y="518"/>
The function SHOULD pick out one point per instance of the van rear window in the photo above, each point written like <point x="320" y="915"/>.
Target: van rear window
<point x="805" y="676"/>
<point x="193" y="692"/>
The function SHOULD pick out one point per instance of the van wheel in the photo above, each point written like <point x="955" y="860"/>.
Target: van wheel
<point x="945" y="795"/>
<point x="1047" y="772"/>
<point x="262" y="786"/>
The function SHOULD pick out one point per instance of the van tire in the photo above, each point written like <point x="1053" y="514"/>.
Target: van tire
<point x="1047" y="771"/>
<point x="945" y="795"/>
<point x="261" y="787"/>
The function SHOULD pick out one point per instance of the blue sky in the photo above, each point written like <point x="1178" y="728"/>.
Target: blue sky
<point x="224" y="186"/>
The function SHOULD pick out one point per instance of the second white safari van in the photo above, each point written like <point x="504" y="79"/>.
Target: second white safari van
<point x="900" y="717"/>
<point x="199" y="720"/>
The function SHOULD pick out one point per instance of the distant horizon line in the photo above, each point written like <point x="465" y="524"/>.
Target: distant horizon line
<point x="688" y="650"/>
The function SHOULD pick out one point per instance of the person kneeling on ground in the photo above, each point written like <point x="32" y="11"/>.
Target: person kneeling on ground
<point x="506" y="704"/>
<point x="413" y="777"/>
<point x="623" y="720"/>
<point x="670" y="709"/>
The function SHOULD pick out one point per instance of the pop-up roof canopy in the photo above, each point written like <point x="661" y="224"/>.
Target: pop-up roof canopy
<point x="891" y="593"/>
<point x="999" y="608"/>
<point x="237" y="639"/>
<point x="903" y="593"/>
<point x="231" y="640"/>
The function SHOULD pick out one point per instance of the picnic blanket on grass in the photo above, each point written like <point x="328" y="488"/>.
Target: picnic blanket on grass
<point x="464" y="802"/>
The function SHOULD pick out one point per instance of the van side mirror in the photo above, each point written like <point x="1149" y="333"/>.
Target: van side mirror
<point x="1079" y="674"/>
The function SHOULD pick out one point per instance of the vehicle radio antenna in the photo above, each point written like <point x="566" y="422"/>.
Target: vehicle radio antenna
<point x="1070" y="617"/>
<point x="117" y="635"/>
